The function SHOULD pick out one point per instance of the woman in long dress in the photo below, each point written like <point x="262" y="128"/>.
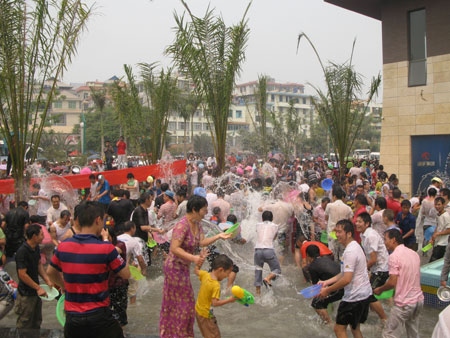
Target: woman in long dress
<point x="178" y="305"/>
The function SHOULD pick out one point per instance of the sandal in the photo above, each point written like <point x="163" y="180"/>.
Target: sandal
<point x="266" y="283"/>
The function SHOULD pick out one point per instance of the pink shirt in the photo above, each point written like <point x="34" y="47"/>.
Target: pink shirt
<point x="405" y="263"/>
<point x="319" y="213"/>
<point x="167" y="211"/>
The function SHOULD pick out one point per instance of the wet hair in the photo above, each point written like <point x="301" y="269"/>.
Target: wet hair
<point x="33" y="229"/>
<point x="77" y="209"/>
<point x="222" y="261"/>
<point x="182" y="192"/>
<point x="220" y="193"/>
<point x="439" y="199"/>
<point x="267" y="216"/>
<point x="23" y="204"/>
<point x="55" y="196"/>
<point x="432" y="192"/>
<point x="313" y="251"/>
<point x="36" y="186"/>
<point x="406" y="203"/>
<point x="128" y="225"/>
<point x="361" y="199"/>
<point x="396" y="193"/>
<point x="381" y="202"/>
<point x="365" y="217"/>
<point x="346" y="225"/>
<point x="338" y="192"/>
<point x="130" y="175"/>
<point x="326" y="199"/>
<point x="445" y="192"/>
<point x="360" y="187"/>
<point x="92" y="177"/>
<point x="89" y="212"/>
<point x="232" y="218"/>
<point x="125" y="193"/>
<point x="164" y="187"/>
<point x="117" y="192"/>
<point x="389" y="214"/>
<point x="195" y="203"/>
<point x="145" y="196"/>
<point x="216" y="211"/>
<point x="65" y="213"/>
<point x="394" y="233"/>
<point x="112" y="234"/>
<point x="269" y="182"/>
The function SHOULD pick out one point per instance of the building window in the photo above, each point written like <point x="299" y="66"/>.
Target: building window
<point x="58" y="119"/>
<point x="197" y="126"/>
<point x="72" y="105"/>
<point x="304" y="100"/>
<point x="272" y="97"/>
<point x="172" y="126"/>
<point x="205" y="126"/>
<point x="181" y="125"/>
<point x="417" y="73"/>
<point x="230" y="114"/>
<point x="238" y="114"/>
<point x="57" y="104"/>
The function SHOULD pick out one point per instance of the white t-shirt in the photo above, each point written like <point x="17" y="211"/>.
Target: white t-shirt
<point x="134" y="193"/>
<point x="337" y="211"/>
<point x="443" y="223"/>
<point x="133" y="247"/>
<point x="265" y="233"/>
<point x="54" y="214"/>
<point x="181" y="209"/>
<point x="378" y="223"/>
<point x="354" y="171"/>
<point x="94" y="191"/>
<point x="354" y="260"/>
<point x="194" y="178"/>
<point x="371" y="241"/>
<point x="43" y="205"/>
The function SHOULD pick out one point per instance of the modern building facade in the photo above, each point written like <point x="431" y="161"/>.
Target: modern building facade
<point x="415" y="134"/>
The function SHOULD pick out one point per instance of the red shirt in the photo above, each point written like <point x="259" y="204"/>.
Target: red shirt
<point x="322" y="248"/>
<point x="357" y="235"/>
<point x="394" y="205"/>
<point x="121" y="147"/>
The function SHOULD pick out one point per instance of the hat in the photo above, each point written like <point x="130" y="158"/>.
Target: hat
<point x="150" y="179"/>
<point x="436" y="179"/>
<point x="169" y="193"/>
<point x="199" y="191"/>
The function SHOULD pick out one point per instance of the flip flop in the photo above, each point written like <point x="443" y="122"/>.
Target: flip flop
<point x="266" y="283"/>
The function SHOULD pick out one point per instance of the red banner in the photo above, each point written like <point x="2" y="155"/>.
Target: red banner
<point x="114" y="177"/>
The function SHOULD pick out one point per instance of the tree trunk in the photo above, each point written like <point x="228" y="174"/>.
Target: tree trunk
<point x="102" y="134"/>
<point x="192" y="130"/>
<point x="184" y="139"/>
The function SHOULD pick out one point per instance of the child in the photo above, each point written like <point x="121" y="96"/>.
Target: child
<point x="209" y="294"/>
<point x="215" y="218"/>
<point x="213" y="252"/>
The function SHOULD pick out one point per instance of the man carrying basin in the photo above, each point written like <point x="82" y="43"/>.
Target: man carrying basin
<point x="354" y="307"/>
<point x="29" y="267"/>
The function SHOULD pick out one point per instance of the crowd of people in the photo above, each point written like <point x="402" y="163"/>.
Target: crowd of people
<point x="353" y="233"/>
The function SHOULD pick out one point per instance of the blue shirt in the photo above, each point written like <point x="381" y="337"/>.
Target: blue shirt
<point x="105" y="199"/>
<point x="406" y="224"/>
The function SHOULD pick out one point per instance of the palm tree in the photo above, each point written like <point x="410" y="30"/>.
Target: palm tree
<point x="187" y="104"/>
<point x="339" y="107"/>
<point x="211" y="54"/>
<point x="160" y="93"/>
<point x="99" y="98"/>
<point x="38" y="39"/>
<point x="261" y="114"/>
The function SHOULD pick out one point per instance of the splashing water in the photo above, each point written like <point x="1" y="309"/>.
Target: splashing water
<point x="58" y="185"/>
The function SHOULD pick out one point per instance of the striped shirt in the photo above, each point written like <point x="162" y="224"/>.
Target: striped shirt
<point x="85" y="262"/>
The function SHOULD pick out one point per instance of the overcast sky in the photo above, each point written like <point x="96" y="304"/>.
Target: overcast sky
<point x="133" y="31"/>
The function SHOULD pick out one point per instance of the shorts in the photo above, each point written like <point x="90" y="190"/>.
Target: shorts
<point x="118" y="303"/>
<point x="208" y="326"/>
<point x="265" y="256"/>
<point x="319" y="304"/>
<point x="378" y="279"/>
<point x="99" y="323"/>
<point x="353" y="313"/>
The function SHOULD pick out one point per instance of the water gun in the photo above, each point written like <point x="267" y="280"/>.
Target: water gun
<point x="243" y="296"/>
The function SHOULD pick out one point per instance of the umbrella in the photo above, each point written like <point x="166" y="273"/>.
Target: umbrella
<point x="94" y="157"/>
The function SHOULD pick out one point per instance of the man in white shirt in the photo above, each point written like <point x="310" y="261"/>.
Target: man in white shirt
<point x="377" y="258"/>
<point x="334" y="212"/>
<point x="207" y="179"/>
<point x="43" y="202"/>
<point x="134" y="253"/>
<point x="377" y="216"/>
<point x="266" y="232"/>
<point x="94" y="185"/>
<point x="442" y="232"/>
<point x="354" y="307"/>
<point x="54" y="212"/>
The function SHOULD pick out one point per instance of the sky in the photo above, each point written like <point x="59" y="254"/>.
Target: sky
<point x="132" y="31"/>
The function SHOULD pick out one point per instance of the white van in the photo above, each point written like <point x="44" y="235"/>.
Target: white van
<point x="360" y="154"/>
<point x="374" y="156"/>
